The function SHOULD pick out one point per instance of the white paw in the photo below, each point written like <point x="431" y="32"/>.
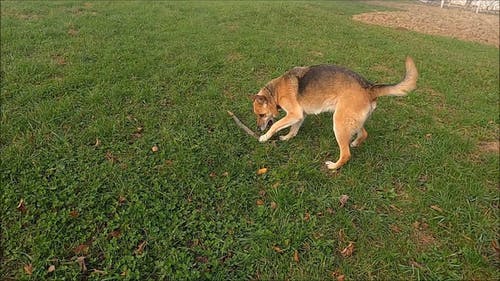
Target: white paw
<point x="354" y="144"/>
<point x="331" y="166"/>
<point x="263" y="138"/>
<point x="284" y="138"/>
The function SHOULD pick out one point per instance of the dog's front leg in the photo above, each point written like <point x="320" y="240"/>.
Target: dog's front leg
<point x="281" y="124"/>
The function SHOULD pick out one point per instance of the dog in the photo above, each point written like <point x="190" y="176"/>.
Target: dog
<point x="325" y="88"/>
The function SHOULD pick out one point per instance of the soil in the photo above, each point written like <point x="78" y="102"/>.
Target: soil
<point x="456" y="23"/>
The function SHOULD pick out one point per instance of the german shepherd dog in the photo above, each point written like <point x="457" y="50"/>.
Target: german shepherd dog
<point x="325" y="88"/>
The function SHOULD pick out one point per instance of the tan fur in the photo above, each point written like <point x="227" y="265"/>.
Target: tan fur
<point x="325" y="89"/>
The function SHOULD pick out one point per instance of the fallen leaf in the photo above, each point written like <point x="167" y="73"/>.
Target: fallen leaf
<point x="277" y="249"/>
<point x="261" y="171"/>
<point x="262" y="193"/>
<point x="341" y="277"/>
<point x="395" y="228"/>
<point x="225" y="174"/>
<point x="97" y="142"/>
<point x="436" y="208"/>
<point x="329" y="210"/>
<point x="28" y="268"/>
<point x="342" y="236"/>
<point x="114" y="234"/>
<point x="51" y="268"/>
<point x="81" y="249"/>
<point x="72" y="32"/>
<point x="428" y="136"/>
<point x="396" y="208"/>
<point x="110" y="157"/>
<point x="307" y="216"/>
<point x="259" y="202"/>
<point x="154" y="148"/>
<point x="81" y="263"/>
<point x="21" y="207"/>
<point x="343" y="200"/>
<point x="274" y="205"/>
<point x="201" y="259"/>
<point x="415" y="264"/>
<point x="122" y="199"/>
<point x="494" y="245"/>
<point x="97" y="271"/>
<point x="74" y="213"/>
<point x="124" y="273"/>
<point x="213" y="175"/>
<point x="140" y="247"/>
<point x="347" y="251"/>
<point x="296" y="256"/>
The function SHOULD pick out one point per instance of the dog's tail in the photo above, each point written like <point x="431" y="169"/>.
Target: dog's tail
<point x="409" y="83"/>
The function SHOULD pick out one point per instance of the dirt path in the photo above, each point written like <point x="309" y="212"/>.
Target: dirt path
<point x="460" y="24"/>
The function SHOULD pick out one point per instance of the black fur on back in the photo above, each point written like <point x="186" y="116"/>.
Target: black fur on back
<point x="328" y="72"/>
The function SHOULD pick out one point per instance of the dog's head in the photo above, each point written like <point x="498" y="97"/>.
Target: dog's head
<point x="265" y="108"/>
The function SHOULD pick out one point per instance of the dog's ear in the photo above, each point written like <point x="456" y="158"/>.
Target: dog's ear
<point x="260" y="99"/>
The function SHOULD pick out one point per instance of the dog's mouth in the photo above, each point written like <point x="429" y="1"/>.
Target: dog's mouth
<point x="267" y="125"/>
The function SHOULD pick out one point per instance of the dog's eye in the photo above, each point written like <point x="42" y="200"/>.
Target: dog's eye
<point x="262" y="115"/>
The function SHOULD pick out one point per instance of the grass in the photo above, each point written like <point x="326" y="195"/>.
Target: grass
<point x="89" y="88"/>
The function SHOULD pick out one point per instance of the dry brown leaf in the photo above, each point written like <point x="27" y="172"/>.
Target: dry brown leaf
<point x="395" y="228"/>
<point x="21" y="207"/>
<point x="274" y="205"/>
<point x="436" y="208"/>
<point x="296" y="256"/>
<point x="97" y="142"/>
<point x="278" y="249"/>
<point x="347" y="251"/>
<point x="307" y="216"/>
<point x="342" y="236"/>
<point x="343" y="200"/>
<point x="154" y="148"/>
<point x="28" y="269"/>
<point x="81" y="249"/>
<point x="81" y="263"/>
<point x="341" y="277"/>
<point x="74" y="213"/>
<point x="262" y="171"/>
<point x="415" y="264"/>
<point x="494" y="245"/>
<point x="140" y="248"/>
<point x="97" y="271"/>
<point x="259" y="202"/>
<point x="122" y="199"/>
<point x="115" y="234"/>
<point x="110" y="157"/>
<point x="51" y="268"/>
<point x="125" y="273"/>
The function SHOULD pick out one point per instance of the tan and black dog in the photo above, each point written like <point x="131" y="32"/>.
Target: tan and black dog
<point x="325" y="88"/>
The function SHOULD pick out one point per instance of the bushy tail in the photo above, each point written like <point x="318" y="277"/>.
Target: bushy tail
<point x="409" y="83"/>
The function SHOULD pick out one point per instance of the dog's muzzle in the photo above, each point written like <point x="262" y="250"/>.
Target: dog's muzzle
<point x="268" y="125"/>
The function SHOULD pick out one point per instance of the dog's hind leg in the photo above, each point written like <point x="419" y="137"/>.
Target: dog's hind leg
<point x="346" y="123"/>
<point x="360" y="138"/>
<point x="294" y="129"/>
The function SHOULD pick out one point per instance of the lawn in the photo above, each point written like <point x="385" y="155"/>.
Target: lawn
<point x="120" y="162"/>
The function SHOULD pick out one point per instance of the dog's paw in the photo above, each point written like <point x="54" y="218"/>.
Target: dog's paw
<point x="263" y="138"/>
<point x="285" y="138"/>
<point x="331" y="166"/>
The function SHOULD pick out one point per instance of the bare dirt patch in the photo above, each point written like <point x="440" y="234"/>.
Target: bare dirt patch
<point x="459" y="24"/>
<point x="489" y="146"/>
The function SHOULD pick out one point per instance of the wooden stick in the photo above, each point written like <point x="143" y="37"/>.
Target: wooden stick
<point x="241" y="125"/>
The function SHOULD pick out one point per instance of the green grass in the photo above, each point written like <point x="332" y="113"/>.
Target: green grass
<point x="73" y="73"/>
